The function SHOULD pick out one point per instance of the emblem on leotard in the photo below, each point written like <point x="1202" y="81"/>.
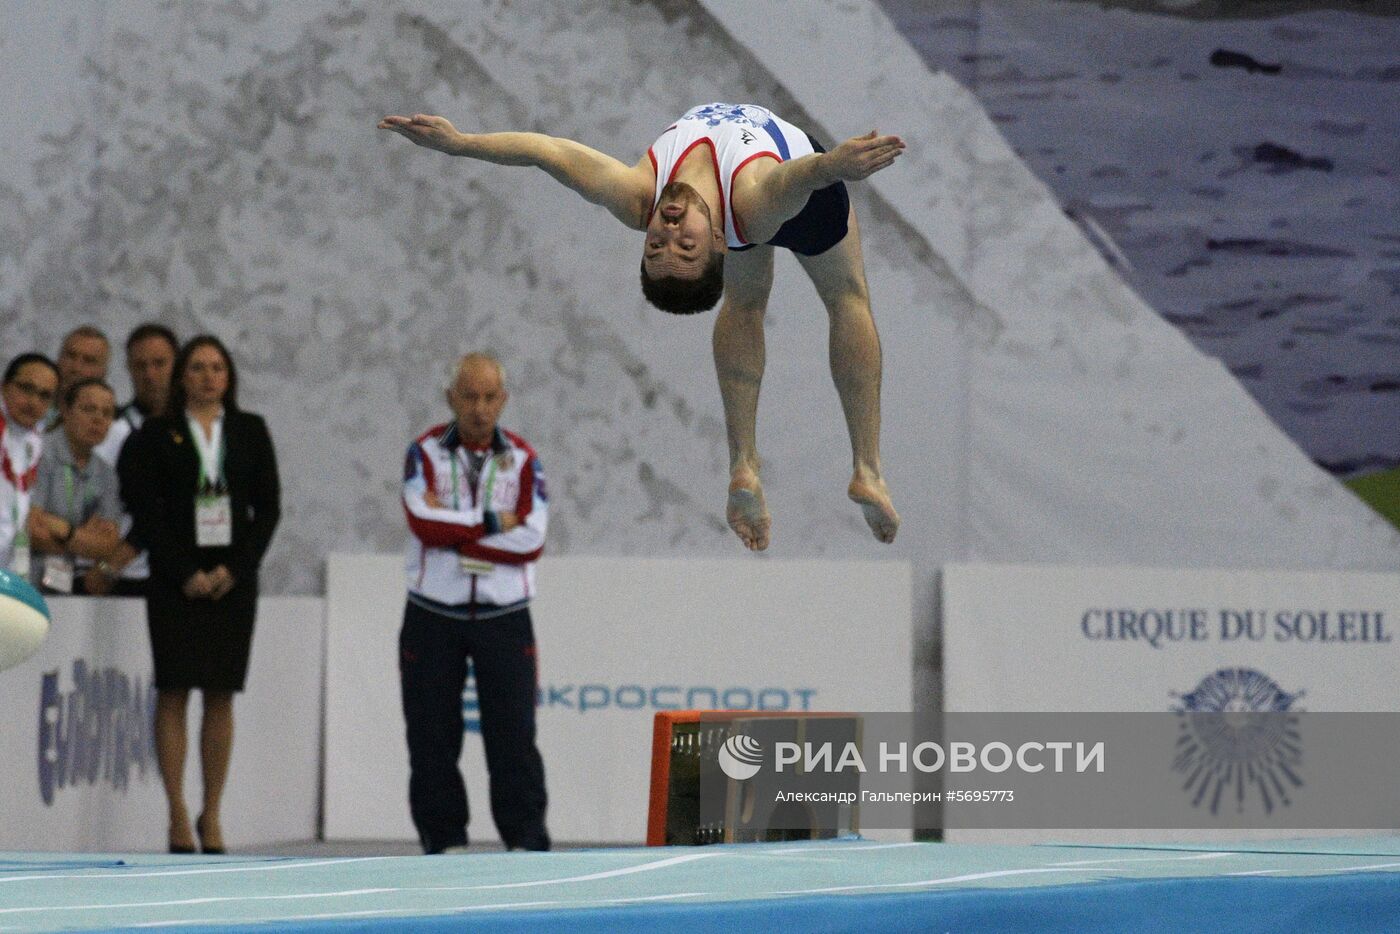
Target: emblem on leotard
<point x="715" y="114"/>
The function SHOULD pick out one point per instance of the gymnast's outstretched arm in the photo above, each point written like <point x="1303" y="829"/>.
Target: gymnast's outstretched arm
<point x="626" y="191"/>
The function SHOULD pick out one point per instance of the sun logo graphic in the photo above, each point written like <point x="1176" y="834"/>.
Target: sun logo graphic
<point x="1239" y="738"/>
<point x="740" y="757"/>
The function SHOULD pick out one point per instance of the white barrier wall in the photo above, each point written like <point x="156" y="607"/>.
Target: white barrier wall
<point x="619" y="639"/>
<point x="77" y="762"/>
<point x="1040" y="638"/>
<point x="1136" y="639"/>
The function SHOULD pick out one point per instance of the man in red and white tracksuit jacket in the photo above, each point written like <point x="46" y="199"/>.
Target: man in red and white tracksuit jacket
<point x="477" y="509"/>
<point x="29" y="385"/>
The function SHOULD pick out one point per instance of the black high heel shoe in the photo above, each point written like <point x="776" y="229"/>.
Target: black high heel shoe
<point x="179" y="849"/>
<point x="204" y="847"/>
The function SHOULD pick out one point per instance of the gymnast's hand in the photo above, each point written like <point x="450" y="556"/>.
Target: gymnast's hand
<point x="862" y="156"/>
<point x="425" y="130"/>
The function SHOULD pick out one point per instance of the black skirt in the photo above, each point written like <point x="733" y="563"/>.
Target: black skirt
<point x="201" y="643"/>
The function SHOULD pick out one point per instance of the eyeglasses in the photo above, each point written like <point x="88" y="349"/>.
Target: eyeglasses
<point x="29" y="389"/>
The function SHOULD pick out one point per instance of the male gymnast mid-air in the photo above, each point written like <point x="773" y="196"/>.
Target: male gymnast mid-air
<point x="716" y="192"/>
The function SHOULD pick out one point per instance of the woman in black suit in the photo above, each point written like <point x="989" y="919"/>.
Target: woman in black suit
<point x="202" y="486"/>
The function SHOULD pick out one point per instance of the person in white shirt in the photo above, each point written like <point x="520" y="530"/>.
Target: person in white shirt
<point x="151" y="349"/>
<point x="74" y="508"/>
<point x="150" y="362"/>
<point x="717" y="191"/>
<point x="28" y="390"/>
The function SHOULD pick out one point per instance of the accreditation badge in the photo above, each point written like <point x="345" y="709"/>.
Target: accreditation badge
<point x="213" y="521"/>
<point x="476" y="566"/>
<point x="19" y="562"/>
<point x="58" y="573"/>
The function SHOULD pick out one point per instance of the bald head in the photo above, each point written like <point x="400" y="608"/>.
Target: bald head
<point x="477" y="394"/>
<point x="475" y="360"/>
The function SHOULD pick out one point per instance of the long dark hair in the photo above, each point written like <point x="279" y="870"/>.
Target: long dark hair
<point x="182" y="361"/>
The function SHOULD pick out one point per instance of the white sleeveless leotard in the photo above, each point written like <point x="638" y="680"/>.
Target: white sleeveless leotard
<point x="737" y="134"/>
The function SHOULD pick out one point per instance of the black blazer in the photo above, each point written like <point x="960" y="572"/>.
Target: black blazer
<point x="159" y="473"/>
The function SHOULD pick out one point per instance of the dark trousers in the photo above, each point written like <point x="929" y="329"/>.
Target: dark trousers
<point x="125" y="587"/>
<point x="434" y="651"/>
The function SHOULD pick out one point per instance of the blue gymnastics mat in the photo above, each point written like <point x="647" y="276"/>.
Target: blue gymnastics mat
<point x="847" y="885"/>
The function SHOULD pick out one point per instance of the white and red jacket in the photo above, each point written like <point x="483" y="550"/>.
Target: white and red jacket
<point x="20" y="449"/>
<point x="457" y="554"/>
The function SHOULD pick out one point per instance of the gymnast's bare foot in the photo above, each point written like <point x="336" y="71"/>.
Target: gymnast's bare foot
<point x="746" y="512"/>
<point x="868" y="490"/>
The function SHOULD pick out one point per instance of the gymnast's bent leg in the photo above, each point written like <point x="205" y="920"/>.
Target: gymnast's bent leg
<point x="839" y="275"/>
<point x="739" y="361"/>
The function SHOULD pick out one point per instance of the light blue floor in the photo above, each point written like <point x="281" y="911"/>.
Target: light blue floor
<point x="1331" y="885"/>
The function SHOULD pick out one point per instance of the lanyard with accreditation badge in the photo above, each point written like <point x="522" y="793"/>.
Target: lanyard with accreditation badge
<point x="475" y="565"/>
<point x="59" y="570"/>
<point x="213" y="511"/>
<point x="21" y="479"/>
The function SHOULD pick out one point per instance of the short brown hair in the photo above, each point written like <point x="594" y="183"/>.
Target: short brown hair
<point x="85" y="330"/>
<point x="70" y="395"/>
<point x="152" y="329"/>
<point x="686" y="296"/>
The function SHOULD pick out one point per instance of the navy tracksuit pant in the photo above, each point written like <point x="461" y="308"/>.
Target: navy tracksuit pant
<point x="434" y="650"/>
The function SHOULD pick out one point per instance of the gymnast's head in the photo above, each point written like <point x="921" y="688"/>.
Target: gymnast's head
<point x="683" y="256"/>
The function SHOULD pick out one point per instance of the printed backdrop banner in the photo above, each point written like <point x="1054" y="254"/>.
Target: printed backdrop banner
<point x="1061" y="638"/>
<point x="619" y="639"/>
<point x="77" y="759"/>
<point x="1034" y="638"/>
